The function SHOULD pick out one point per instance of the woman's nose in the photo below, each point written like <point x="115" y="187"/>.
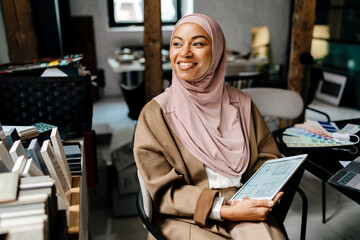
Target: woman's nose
<point x="186" y="52"/>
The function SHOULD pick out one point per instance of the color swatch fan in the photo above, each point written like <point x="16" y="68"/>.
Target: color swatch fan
<point x="318" y="134"/>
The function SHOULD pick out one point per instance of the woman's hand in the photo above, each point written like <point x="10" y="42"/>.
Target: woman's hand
<point x="248" y="209"/>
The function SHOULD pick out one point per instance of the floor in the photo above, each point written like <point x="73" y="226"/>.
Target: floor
<point x="343" y="215"/>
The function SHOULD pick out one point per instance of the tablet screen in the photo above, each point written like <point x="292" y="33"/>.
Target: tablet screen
<point x="270" y="178"/>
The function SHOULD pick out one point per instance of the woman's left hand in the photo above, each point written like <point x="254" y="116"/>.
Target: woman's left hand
<point x="248" y="209"/>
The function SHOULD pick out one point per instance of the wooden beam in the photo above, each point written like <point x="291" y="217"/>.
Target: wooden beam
<point x="20" y="33"/>
<point x="152" y="48"/>
<point x="302" y="27"/>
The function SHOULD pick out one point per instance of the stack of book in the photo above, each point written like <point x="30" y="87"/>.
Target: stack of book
<point x="319" y="134"/>
<point x="73" y="156"/>
<point x="28" y="207"/>
<point x="35" y="182"/>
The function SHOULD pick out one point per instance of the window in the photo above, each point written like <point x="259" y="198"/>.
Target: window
<point x="336" y="35"/>
<point x="336" y="44"/>
<point x="126" y="13"/>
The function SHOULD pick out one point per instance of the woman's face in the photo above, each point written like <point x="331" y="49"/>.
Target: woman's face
<point x="190" y="52"/>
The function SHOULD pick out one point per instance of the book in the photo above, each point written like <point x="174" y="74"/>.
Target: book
<point x="60" y="155"/>
<point x="5" y="157"/>
<point x="40" y="64"/>
<point x="19" y="165"/>
<point x="3" y="138"/>
<point x="33" y="214"/>
<point x="12" y="136"/>
<point x="33" y="151"/>
<point x="31" y="169"/>
<point x="73" y="156"/>
<point x="24" y="132"/>
<point x="28" y="209"/>
<point x="43" y="127"/>
<point x="17" y="150"/>
<point x="56" y="172"/>
<point x="8" y="186"/>
<point x="72" y="151"/>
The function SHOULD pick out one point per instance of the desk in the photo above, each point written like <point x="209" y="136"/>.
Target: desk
<point x="324" y="162"/>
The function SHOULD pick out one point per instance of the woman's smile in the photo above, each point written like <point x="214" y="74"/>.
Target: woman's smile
<point x="186" y="65"/>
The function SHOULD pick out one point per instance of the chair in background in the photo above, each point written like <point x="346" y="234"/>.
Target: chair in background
<point x="323" y="184"/>
<point x="287" y="104"/>
<point x="274" y="103"/>
<point x="244" y="79"/>
<point x="132" y="87"/>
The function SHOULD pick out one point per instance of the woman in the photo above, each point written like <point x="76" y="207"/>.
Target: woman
<point x="196" y="142"/>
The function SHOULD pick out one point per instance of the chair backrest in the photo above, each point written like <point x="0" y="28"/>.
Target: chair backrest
<point x="144" y="207"/>
<point x="276" y="102"/>
<point x="147" y="202"/>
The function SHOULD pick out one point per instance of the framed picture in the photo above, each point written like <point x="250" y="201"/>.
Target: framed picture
<point x="331" y="88"/>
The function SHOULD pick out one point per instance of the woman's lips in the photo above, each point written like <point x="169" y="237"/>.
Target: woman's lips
<point x="186" y="65"/>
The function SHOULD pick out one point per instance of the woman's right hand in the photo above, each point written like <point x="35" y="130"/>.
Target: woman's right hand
<point x="248" y="209"/>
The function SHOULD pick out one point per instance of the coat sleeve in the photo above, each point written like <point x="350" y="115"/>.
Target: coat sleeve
<point x="262" y="143"/>
<point x="161" y="166"/>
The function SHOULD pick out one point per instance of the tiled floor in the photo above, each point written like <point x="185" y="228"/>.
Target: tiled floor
<point x="343" y="214"/>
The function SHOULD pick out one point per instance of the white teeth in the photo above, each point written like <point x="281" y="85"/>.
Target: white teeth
<point x="185" y="64"/>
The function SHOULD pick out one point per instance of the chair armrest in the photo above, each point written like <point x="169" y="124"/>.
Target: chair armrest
<point x="321" y="112"/>
<point x="144" y="218"/>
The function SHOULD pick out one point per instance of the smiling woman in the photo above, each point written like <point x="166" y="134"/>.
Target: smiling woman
<point x="197" y="141"/>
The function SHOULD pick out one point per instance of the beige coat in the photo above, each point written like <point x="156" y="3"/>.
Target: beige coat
<point x="177" y="181"/>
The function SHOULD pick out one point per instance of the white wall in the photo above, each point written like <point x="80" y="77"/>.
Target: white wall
<point x="236" y="17"/>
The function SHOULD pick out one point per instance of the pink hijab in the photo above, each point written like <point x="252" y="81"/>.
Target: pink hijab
<point x="201" y="114"/>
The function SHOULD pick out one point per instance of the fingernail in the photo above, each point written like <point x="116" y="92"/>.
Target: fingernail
<point x="270" y="203"/>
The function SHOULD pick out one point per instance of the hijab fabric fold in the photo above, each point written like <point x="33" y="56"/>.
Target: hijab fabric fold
<point x="201" y="114"/>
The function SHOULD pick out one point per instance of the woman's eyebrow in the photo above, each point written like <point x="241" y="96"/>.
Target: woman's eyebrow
<point x="200" y="36"/>
<point x="194" y="37"/>
<point x="180" y="38"/>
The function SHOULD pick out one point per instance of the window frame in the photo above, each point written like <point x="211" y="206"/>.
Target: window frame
<point x="113" y="24"/>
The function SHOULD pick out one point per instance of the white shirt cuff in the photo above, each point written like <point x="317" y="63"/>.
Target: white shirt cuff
<point x="215" y="211"/>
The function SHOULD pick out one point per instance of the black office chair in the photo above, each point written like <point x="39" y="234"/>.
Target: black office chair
<point x="144" y="206"/>
<point x="244" y="79"/>
<point x="282" y="208"/>
<point x="132" y="86"/>
<point x="323" y="184"/>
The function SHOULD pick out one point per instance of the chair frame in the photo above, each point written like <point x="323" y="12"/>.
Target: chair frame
<point x="323" y="184"/>
<point x="144" y="217"/>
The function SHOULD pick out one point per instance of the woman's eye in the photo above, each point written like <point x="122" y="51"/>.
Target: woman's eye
<point x="176" y="44"/>
<point x="199" y="44"/>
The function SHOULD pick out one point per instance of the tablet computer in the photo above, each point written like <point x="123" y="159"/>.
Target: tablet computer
<point x="270" y="178"/>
